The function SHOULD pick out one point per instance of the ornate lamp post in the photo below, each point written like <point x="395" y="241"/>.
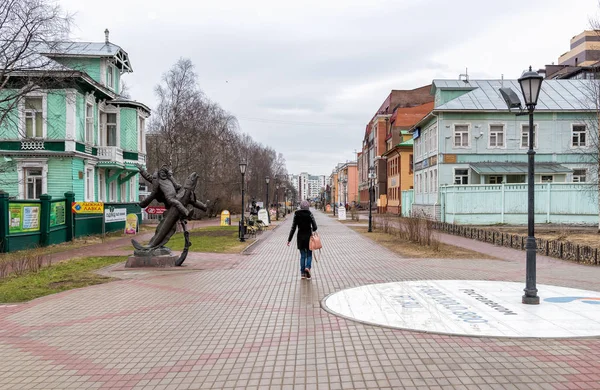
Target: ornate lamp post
<point x="243" y="172"/>
<point x="531" y="83"/>
<point x="371" y="178"/>
<point x="277" y="201"/>
<point x="345" y="181"/>
<point x="267" y="179"/>
<point x="333" y="199"/>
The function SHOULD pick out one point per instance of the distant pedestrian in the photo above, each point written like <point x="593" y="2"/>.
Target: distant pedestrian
<point x="306" y="224"/>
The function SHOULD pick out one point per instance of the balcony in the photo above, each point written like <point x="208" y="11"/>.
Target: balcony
<point x="110" y="153"/>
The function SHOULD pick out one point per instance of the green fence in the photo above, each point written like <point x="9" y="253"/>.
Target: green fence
<point x="26" y="224"/>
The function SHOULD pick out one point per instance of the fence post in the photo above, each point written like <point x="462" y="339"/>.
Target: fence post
<point x="4" y="217"/>
<point x="45" y="219"/>
<point x="69" y="199"/>
<point x="548" y="204"/>
<point x="502" y="215"/>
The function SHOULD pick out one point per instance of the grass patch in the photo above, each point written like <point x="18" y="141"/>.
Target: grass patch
<point x="62" y="276"/>
<point x="410" y="249"/>
<point x="215" y="239"/>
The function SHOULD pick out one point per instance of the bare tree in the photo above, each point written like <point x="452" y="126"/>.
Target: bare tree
<point x="191" y="133"/>
<point x="26" y="25"/>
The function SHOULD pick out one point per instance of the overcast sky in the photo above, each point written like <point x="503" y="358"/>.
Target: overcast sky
<point x="305" y="77"/>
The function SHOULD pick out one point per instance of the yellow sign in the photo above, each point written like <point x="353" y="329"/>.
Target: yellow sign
<point x="225" y="218"/>
<point x="88" y="207"/>
<point x="131" y="224"/>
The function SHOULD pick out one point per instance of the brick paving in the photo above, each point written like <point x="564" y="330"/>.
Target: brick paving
<point x="251" y="322"/>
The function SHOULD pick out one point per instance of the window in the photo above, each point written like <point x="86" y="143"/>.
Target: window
<point x="515" y="179"/>
<point x="142" y="129"/>
<point x="34" y="180"/>
<point x="495" y="180"/>
<point x="111" y="130"/>
<point x="34" y="118"/>
<point x="496" y="136"/>
<point x="431" y="182"/>
<point x="426" y="183"/>
<point x="435" y="179"/>
<point x="123" y="190"/>
<point x="132" y="190"/>
<point x="110" y="74"/>
<point x="89" y="184"/>
<point x="547" y="179"/>
<point x="461" y="176"/>
<point x="89" y="123"/>
<point x="112" y="191"/>
<point x="579" y="175"/>
<point x="461" y="136"/>
<point x="101" y="186"/>
<point x="525" y="136"/>
<point x="579" y="134"/>
<point x="410" y="163"/>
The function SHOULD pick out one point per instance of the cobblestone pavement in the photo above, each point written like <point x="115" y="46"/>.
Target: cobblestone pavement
<point x="253" y="323"/>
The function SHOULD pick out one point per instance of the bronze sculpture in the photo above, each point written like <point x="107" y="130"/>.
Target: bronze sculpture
<point x="177" y="200"/>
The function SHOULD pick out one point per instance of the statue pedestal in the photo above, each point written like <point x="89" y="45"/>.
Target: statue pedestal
<point x="151" y="261"/>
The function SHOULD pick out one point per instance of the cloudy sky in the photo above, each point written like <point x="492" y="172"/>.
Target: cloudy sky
<point x="305" y="77"/>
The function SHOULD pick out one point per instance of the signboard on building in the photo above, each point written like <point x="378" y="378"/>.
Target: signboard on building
<point x="57" y="214"/>
<point x="450" y="158"/>
<point x="225" y="218"/>
<point x="155" y="210"/>
<point x="417" y="133"/>
<point x="88" y="207"/>
<point x="341" y="213"/>
<point x="131" y="224"/>
<point x="115" y="215"/>
<point x="263" y="216"/>
<point x="24" y="217"/>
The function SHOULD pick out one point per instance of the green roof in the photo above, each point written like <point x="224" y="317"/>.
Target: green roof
<point x="410" y="142"/>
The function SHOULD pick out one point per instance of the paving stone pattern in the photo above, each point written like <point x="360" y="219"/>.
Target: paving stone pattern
<point x="253" y="323"/>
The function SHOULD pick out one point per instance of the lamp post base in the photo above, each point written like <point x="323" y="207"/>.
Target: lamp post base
<point x="530" y="300"/>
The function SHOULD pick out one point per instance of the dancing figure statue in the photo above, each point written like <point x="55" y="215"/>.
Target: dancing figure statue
<point x="179" y="202"/>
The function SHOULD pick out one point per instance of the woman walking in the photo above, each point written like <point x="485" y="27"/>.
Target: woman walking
<point x="305" y="222"/>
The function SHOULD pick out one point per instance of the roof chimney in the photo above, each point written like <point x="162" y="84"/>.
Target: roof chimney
<point x="106" y="36"/>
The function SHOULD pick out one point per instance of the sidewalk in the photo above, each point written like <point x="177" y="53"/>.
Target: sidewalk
<point x="254" y="323"/>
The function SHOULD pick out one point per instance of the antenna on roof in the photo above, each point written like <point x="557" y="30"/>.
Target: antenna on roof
<point x="106" y="36"/>
<point x="465" y="75"/>
<point x="502" y="80"/>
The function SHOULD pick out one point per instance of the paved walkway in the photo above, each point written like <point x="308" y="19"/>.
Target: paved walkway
<point x="252" y="323"/>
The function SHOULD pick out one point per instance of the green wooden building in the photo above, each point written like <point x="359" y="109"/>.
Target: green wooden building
<point x="77" y="134"/>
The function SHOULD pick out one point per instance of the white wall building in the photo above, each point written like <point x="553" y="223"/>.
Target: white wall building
<point x="308" y="186"/>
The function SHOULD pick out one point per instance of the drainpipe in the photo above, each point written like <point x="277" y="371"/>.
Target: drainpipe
<point x="437" y="167"/>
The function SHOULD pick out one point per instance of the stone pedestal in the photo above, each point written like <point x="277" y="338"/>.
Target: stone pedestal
<point x="151" y="261"/>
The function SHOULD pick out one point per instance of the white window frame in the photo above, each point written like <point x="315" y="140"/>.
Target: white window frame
<point x="90" y="171"/>
<point x="490" y="146"/>
<point x="110" y="73"/>
<point x="547" y="181"/>
<point x="133" y="186"/>
<point x="455" y="176"/>
<point x="426" y="182"/>
<point x="89" y="123"/>
<point x="585" y="132"/>
<point x="112" y="191"/>
<point x="496" y="176"/>
<point x="454" y="145"/>
<point x="577" y="178"/>
<point x="123" y="198"/>
<point x="102" y="196"/>
<point x="535" y="136"/>
<point x="22" y="113"/>
<point x="142" y="133"/>
<point x="32" y="163"/>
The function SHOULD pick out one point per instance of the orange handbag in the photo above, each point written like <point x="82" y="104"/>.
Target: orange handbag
<point x="315" y="242"/>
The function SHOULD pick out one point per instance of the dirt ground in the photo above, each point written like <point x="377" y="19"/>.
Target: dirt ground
<point x="407" y="248"/>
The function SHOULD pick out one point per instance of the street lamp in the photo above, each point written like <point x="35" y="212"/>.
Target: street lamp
<point x="531" y="83"/>
<point x="267" y="179"/>
<point x="277" y="201"/>
<point x="345" y="181"/>
<point x="371" y="178"/>
<point x="243" y="172"/>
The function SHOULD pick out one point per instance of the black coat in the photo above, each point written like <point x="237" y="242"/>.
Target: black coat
<point x="306" y="224"/>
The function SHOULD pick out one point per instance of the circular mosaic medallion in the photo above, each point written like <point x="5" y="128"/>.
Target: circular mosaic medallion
<point x="471" y="307"/>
